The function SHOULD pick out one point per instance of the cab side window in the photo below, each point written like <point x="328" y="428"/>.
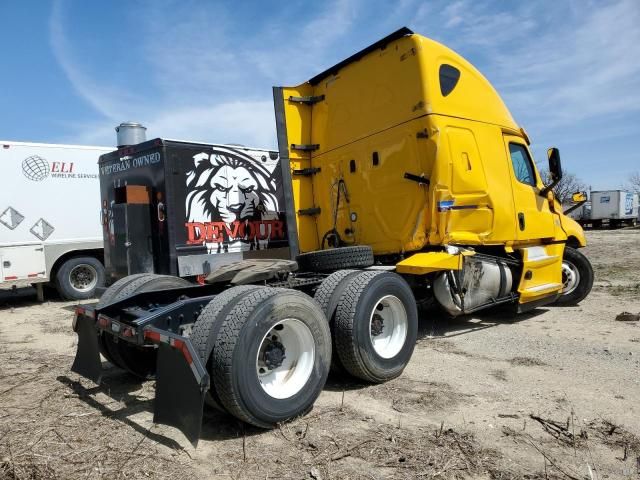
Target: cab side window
<point x="522" y="166"/>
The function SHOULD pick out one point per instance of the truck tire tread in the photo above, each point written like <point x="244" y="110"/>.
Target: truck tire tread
<point x="358" y="256"/>
<point x="114" y="289"/>
<point x="348" y="319"/>
<point x="328" y="295"/>
<point x="345" y="346"/>
<point x="235" y="381"/>
<point x="110" y="294"/>
<point x="583" y="265"/>
<point x="224" y="348"/>
<point x="206" y="328"/>
<point x="133" y="284"/>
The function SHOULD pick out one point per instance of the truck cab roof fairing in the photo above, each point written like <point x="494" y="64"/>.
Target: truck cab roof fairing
<point x="402" y="32"/>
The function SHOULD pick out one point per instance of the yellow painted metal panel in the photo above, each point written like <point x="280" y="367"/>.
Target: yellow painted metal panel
<point x="537" y="218"/>
<point x="473" y="97"/>
<point x="541" y="272"/>
<point x="482" y="210"/>
<point x="423" y="263"/>
<point x="377" y="206"/>
<point x="384" y="89"/>
<point x="385" y="115"/>
<point x="298" y="120"/>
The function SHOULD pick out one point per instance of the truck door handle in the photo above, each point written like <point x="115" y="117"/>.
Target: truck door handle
<point x="161" y="212"/>
<point x="6" y="264"/>
<point x="521" y="220"/>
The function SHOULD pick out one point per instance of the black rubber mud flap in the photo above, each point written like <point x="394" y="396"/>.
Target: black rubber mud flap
<point x="87" y="362"/>
<point x="179" y="396"/>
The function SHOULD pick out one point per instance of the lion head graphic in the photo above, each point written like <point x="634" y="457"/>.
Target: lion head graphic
<point x="228" y="185"/>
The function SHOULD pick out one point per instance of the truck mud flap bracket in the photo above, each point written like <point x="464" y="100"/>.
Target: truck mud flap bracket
<point x="182" y="382"/>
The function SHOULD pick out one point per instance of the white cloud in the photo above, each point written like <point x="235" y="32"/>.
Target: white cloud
<point x="210" y="79"/>
<point x="83" y="84"/>
<point x="246" y="123"/>
<point x="328" y="27"/>
<point x="555" y="63"/>
<point x="563" y="68"/>
<point x="579" y="74"/>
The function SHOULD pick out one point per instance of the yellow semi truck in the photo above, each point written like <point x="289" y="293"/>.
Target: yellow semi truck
<point x="405" y="181"/>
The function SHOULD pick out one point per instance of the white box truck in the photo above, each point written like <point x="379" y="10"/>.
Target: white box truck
<point x="50" y="229"/>
<point x="581" y="214"/>
<point x="615" y="207"/>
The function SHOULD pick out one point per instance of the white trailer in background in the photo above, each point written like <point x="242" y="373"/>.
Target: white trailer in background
<point x="50" y="228"/>
<point x="615" y="207"/>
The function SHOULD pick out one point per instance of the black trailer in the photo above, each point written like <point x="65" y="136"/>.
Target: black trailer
<point x="171" y="207"/>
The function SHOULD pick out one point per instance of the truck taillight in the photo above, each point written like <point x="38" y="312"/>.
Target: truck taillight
<point x="128" y="332"/>
<point x="103" y="321"/>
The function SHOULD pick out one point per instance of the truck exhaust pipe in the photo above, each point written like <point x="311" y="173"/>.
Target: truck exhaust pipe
<point x="130" y="133"/>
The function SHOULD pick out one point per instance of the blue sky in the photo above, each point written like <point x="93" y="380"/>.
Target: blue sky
<point x="72" y="69"/>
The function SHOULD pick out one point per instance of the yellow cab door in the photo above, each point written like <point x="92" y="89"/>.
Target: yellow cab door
<point x="534" y="220"/>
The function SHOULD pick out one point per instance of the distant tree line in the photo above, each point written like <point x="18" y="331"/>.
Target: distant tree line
<point x="568" y="185"/>
<point x="634" y="181"/>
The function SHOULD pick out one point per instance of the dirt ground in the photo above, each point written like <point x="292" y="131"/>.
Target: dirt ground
<point x="553" y="394"/>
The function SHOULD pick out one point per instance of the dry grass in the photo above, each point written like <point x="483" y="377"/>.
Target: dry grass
<point x="500" y="374"/>
<point x="526" y="362"/>
<point x="408" y="395"/>
<point x="326" y="445"/>
<point x="54" y="427"/>
<point x="632" y="290"/>
<point x="50" y="427"/>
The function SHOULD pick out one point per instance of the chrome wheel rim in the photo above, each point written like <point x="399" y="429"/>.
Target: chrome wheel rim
<point x="388" y="326"/>
<point x="570" y="277"/>
<point x="83" y="277"/>
<point x="285" y="359"/>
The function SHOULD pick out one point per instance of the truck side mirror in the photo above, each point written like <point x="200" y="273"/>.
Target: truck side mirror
<point x="579" y="197"/>
<point x="555" y="168"/>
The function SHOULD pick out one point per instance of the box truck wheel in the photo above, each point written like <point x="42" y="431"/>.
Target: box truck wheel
<point x="376" y="326"/>
<point x="78" y="277"/>
<point x="577" y="277"/>
<point x="271" y="356"/>
<point x="139" y="361"/>
<point x="328" y="295"/>
<point x="359" y="256"/>
<point x="205" y="330"/>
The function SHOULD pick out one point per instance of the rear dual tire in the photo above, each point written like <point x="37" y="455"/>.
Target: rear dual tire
<point x="206" y="329"/>
<point x="328" y="296"/>
<point x="268" y="352"/>
<point x="374" y="322"/>
<point x="376" y="326"/>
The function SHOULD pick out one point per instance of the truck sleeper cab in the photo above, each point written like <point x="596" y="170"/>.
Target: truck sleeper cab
<point x="405" y="181"/>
